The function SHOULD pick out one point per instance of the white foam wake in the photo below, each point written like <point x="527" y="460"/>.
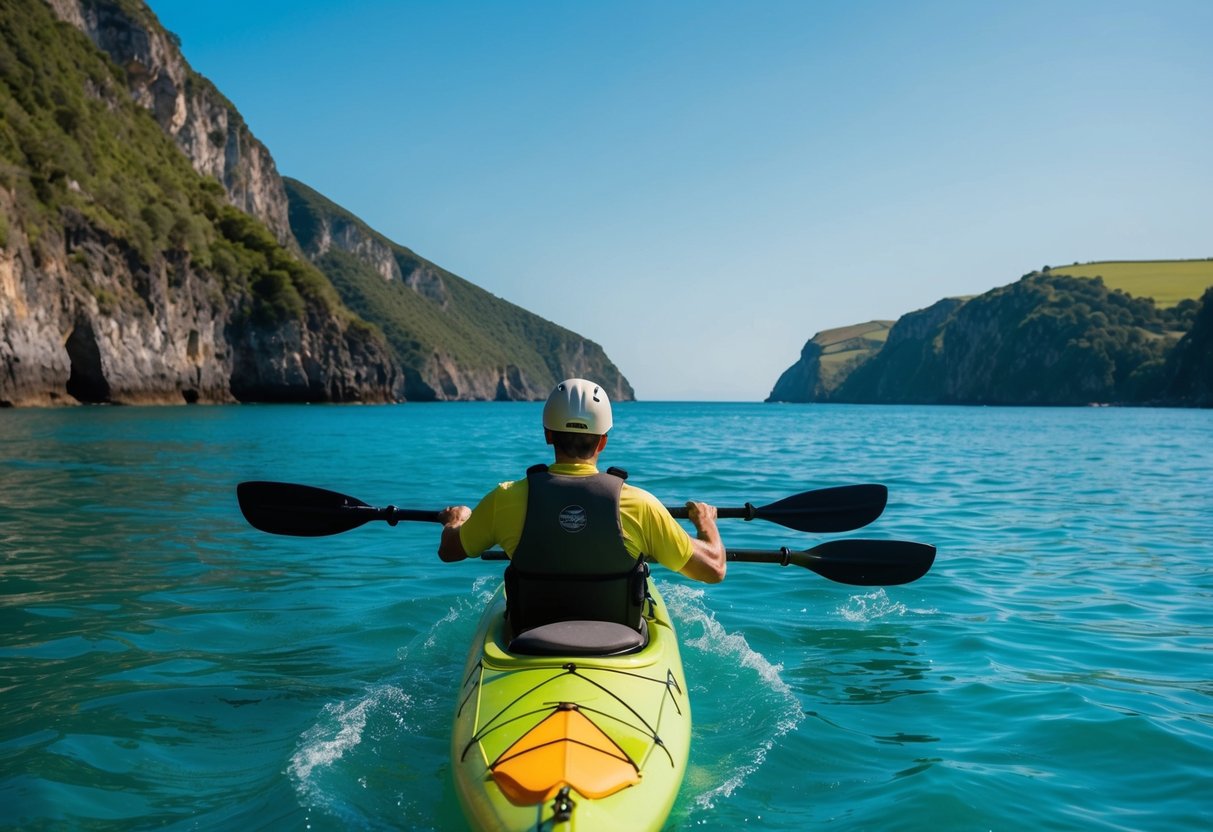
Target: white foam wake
<point x="767" y="707"/>
<point x="339" y="730"/>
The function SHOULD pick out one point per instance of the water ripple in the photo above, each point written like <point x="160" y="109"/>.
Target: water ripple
<point x="164" y="666"/>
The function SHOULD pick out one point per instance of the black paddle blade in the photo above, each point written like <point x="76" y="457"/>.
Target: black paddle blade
<point x="868" y="562"/>
<point x="838" y="509"/>
<point x="300" y="510"/>
<point x="854" y="562"/>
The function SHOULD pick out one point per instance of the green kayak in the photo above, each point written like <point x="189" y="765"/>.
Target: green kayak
<point x="579" y="741"/>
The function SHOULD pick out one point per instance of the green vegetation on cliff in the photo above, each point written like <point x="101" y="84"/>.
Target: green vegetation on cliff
<point x="73" y="142"/>
<point x="1189" y="370"/>
<point x="1048" y="339"/>
<point x="827" y="359"/>
<point x="77" y="152"/>
<point x="133" y="277"/>
<point x="105" y="219"/>
<point x="433" y="318"/>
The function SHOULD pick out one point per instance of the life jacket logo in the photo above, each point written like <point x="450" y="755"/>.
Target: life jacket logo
<point x="573" y="519"/>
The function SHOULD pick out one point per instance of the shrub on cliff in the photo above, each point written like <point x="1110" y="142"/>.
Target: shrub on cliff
<point x="1046" y="339"/>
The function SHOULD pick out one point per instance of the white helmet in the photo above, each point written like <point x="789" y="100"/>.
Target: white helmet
<point x="578" y="406"/>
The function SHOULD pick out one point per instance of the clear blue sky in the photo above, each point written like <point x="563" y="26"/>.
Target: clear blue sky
<point x="701" y="186"/>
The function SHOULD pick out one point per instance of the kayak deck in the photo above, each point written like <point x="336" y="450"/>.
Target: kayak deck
<point x="571" y="742"/>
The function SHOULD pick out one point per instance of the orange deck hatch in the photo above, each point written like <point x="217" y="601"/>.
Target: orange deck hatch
<point x="566" y="748"/>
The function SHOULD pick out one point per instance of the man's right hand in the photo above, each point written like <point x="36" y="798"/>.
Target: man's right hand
<point x="708" y="559"/>
<point x="454" y="515"/>
<point x="450" y="547"/>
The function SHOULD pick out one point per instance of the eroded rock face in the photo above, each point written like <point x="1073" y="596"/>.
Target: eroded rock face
<point x="469" y="344"/>
<point x="36" y="364"/>
<point x="75" y="331"/>
<point x="95" y="326"/>
<point x="204" y="124"/>
<point x="90" y="313"/>
<point x="87" y="317"/>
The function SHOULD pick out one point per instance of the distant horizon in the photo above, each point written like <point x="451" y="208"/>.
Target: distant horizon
<point x="700" y="187"/>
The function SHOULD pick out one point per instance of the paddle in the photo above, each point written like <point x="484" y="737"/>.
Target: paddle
<point x="854" y="562"/>
<point x="305" y="511"/>
<point x="838" y="509"/>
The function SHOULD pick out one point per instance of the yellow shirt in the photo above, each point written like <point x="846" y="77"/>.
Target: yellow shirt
<point x="648" y="528"/>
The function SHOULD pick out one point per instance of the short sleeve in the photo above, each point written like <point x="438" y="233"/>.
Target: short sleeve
<point x="654" y="531"/>
<point x="477" y="534"/>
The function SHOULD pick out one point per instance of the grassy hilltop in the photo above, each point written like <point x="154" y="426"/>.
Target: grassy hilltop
<point x="1166" y="281"/>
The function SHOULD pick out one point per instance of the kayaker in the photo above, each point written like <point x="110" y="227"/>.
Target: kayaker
<point x="575" y="536"/>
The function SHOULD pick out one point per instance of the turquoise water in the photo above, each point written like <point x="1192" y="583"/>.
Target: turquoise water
<point x="163" y="665"/>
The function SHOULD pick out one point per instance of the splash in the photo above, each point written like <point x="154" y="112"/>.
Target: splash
<point x="466" y="607"/>
<point x="874" y="606"/>
<point x="747" y="733"/>
<point x="340" y="729"/>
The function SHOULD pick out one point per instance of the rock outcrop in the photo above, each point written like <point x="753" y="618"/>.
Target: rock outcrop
<point x="827" y="359"/>
<point x="147" y="252"/>
<point x="453" y="339"/>
<point x="203" y="123"/>
<point x="1047" y="339"/>
<point x="124" y="275"/>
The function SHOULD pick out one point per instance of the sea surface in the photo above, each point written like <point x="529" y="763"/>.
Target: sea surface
<point x="163" y="665"/>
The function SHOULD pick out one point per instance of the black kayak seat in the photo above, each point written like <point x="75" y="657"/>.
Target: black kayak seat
<point x="580" y="638"/>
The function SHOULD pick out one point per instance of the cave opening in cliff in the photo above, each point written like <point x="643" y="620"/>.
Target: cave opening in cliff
<point x="87" y="382"/>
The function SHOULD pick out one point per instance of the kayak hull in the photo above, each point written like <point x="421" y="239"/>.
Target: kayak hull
<point x="571" y="743"/>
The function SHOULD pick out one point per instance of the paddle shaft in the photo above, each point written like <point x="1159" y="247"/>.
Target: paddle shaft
<point x="390" y="514"/>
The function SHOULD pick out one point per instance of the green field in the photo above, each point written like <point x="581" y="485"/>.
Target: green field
<point x="1167" y="281"/>
<point x="844" y="348"/>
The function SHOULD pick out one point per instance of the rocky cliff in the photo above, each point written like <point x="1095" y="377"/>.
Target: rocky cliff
<point x="127" y="277"/>
<point x="1047" y="339"/>
<point x="203" y="123"/>
<point x="147" y="254"/>
<point x="827" y="359"/>
<point x="453" y="339"/>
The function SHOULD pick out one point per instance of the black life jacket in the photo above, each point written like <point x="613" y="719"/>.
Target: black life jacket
<point x="571" y="563"/>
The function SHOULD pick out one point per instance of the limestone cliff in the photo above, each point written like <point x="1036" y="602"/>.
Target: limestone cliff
<point x="125" y="275"/>
<point x="203" y="123"/>
<point x="147" y="255"/>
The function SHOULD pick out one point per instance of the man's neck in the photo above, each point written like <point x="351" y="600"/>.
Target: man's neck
<point x="561" y="459"/>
